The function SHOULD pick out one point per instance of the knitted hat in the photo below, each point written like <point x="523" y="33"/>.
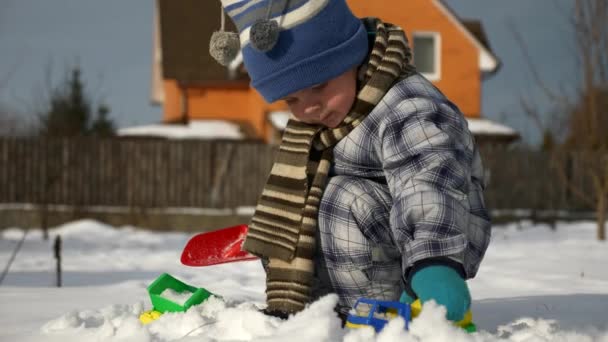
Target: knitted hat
<point x="289" y="45"/>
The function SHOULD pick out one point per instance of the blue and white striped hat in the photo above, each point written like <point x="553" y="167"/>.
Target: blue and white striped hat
<point x="289" y="45"/>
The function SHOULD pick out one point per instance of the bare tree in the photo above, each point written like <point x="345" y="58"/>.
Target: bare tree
<point x="580" y="133"/>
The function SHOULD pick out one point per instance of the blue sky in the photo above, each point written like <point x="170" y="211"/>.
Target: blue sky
<point x="112" y="42"/>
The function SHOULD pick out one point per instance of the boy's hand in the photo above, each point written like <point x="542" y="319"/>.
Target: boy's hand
<point x="444" y="285"/>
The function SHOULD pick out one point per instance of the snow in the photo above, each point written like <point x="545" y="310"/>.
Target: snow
<point x="197" y="129"/>
<point x="479" y="126"/>
<point x="535" y="284"/>
<point x="176" y="297"/>
<point x="279" y="119"/>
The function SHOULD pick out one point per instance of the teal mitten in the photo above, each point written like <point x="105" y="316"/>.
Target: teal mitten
<point x="406" y="298"/>
<point x="445" y="286"/>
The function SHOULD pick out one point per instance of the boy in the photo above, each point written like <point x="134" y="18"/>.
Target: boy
<point x="377" y="187"/>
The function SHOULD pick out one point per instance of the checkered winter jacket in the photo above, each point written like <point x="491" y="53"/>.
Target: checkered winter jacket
<point x="419" y="144"/>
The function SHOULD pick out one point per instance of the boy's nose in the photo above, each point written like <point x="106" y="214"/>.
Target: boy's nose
<point x="311" y="110"/>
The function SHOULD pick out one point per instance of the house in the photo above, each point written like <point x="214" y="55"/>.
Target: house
<point x="453" y="53"/>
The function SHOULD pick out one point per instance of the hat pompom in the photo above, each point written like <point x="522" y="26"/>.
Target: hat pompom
<point x="224" y="46"/>
<point x="264" y="35"/>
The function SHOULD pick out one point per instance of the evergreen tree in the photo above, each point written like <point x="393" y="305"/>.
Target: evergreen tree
<point x="103" y="126"/>
<point x="70" y="110"/>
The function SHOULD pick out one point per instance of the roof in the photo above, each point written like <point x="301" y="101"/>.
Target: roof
<point x="185" y="30"/>
<point x="198" y="129"/>
<point x="476" y="28"/>
<point x="279" y="119"/>
<point x="479" y="126"/>
<point x="489" y="62"/>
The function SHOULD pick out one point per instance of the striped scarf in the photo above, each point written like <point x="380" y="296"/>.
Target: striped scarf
<point x="285" y="220"/>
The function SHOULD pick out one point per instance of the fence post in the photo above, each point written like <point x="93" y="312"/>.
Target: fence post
<point x="221" y="173"/>
<point x="57" y="247"/>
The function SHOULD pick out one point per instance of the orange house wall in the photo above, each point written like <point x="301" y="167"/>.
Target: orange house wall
<point x="222" y="103"/>
<point x="171" y="104"/>
<point x="460" y="75"/>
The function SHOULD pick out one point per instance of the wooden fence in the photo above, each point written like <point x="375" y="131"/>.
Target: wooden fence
<point x="523" y="179"/>
<point x="134" y="173"/>
<point x="219" y="174"/>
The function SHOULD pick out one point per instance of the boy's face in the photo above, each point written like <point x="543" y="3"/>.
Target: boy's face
<point x="327" y="103"/>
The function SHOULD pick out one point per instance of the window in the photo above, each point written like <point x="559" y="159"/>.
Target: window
<point x="427" y="54"/>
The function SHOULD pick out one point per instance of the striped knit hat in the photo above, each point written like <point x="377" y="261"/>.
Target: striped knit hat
<point x="290" y="45"/>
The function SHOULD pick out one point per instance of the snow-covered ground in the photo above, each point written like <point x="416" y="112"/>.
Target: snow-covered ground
<point x="535" y="285"/>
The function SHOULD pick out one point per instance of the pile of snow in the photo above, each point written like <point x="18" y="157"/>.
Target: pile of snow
<point x="196" y="129"/>
<point x="176" y="297"/>
<point x="535" y="284"/>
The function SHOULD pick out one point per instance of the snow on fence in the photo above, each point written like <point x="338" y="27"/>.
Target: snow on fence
<point x="152" y="173"/>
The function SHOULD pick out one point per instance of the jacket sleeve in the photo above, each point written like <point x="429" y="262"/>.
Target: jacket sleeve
<point x="428" y="155"/>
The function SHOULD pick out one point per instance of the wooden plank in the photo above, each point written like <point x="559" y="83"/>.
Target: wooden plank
<point x="12" y="174"/>
<point x="4" y="165"/>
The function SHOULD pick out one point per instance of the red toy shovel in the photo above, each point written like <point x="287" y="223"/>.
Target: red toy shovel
<point x="216" y="247"/>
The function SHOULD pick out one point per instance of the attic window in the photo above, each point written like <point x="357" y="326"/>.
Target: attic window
<point x="427" y="57"/>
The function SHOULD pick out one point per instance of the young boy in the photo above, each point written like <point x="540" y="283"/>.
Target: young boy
<point x="377" y="187"/>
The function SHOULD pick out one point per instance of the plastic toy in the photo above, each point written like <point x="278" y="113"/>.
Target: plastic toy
<point x="162" y="304"/>
<point x="466" y="323"/>
<point x="376" y="313"/>
<point x="217" y="247"/>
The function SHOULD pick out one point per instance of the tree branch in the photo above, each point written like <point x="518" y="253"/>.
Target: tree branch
<point x="559" y="167"/>
<point x="528" y="60"/>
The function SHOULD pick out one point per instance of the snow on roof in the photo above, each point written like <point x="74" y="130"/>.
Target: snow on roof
<point x="487" y="127"/>
<point x="476" y="126"/>
<point x="279" y="119"/>
<point x="200" y="129"/>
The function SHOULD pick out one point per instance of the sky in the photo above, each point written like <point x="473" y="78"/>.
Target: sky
<point x="111" y="41"/>
<point x="561" y="296"/>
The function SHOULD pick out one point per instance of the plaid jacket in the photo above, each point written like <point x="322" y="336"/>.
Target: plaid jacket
<point x="419" y="144"/>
